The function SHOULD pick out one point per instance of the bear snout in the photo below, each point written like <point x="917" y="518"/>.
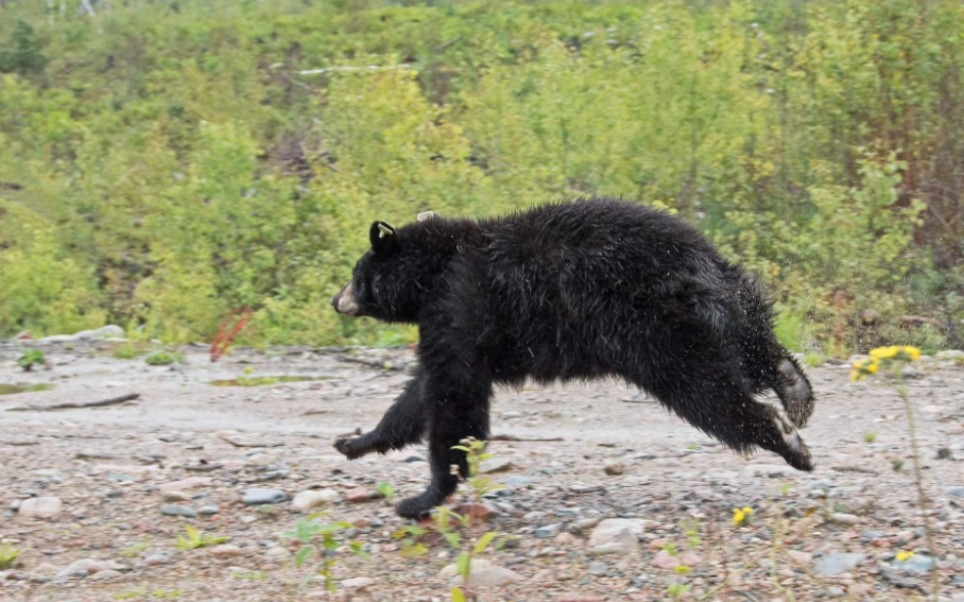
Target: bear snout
<point x="344" y="302"/>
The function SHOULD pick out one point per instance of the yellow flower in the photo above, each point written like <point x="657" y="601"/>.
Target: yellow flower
<point x="882" y="353"/>
<point x="739" y="516"/>
<point x="912" y="352"/>
<point x="898" y="352"/>
<point x="747" y="510"/>
<point x="902" y="555"/>
<point x="862" y="368"/>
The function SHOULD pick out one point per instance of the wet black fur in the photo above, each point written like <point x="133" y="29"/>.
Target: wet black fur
<point x="576" y="290"/>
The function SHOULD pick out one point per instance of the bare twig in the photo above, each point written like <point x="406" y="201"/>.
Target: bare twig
<point x="72" y="405"/>
<point x="517" y="438"/>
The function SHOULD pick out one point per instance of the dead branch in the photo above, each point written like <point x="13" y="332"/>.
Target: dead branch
<point x="73" y="405"/>
<point x="517" y="438"/>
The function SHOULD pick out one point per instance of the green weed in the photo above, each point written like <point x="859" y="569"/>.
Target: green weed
<point x="319" y="541"/>
<point x="30" y="358"/>
<point x="193" y="538"/>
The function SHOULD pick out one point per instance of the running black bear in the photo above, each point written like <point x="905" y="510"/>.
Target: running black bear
<point x="574" y="290"/>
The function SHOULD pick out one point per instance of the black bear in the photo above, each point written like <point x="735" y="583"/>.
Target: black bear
<point x="574" y="290"/>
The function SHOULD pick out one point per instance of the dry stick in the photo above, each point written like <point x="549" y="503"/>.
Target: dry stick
<point x="517" y="438"/>
<point x="381" y="365"/>
<point x="71" y="405"/>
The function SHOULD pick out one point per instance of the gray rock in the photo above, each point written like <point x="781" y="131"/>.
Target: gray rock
<point x="256" y="496"/>
<point x="950" y="354"/>
<point x="547" y="531"/>
<point x="208" y="510"/>
<point x="40" y="507"/>
<point x="516" y="481"/>
<point x="918" y="563"/>
<point x="156" y="560"/>
<point x="598" y="568"/>
<point x="483" y="574"/>
<point x="956" y="491"/>
<point x="176" y="510"/>
<point x="836" y="563"/>
<point x="495" y="465"/>
<point x="88" y="566"/>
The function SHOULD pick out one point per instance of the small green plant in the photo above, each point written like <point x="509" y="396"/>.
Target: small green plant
<point x="410" y="538"/>
<point x="164" y="358"/>
<point x="129" y="350"/>
<point x="319" y="540"/>
<point x="385" y="490"/>
<point x="479" y="485"/>
<point x="870" y="437"/>
<point x="9" y="556"/>
<point x="31" y="358"/>
<point x="444" y="518"/>
<point x="475" y="454"/>
<point x="193" y="538"/>
<point x="691" y="527"/>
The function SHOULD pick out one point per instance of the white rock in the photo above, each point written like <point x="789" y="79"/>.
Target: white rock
<point x="483" y="573"/>
<point x="104" y="332"/>
<point x="617" y="536"/>
<point x="40" y="507"/>
<point x="357" y="583"/>
<point x="306" y="500"/>
<point x="842" y="518"/>
<point x="185" y="484"/>
<point x="276" y="555"/>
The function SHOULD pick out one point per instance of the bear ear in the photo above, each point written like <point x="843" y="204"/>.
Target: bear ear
<point x="383" y="237"/>
<point x="425" y="216"/>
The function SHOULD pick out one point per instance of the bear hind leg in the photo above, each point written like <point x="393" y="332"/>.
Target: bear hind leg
<point x="723" y="410"/>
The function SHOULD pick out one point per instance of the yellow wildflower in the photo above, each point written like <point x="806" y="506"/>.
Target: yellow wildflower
<point x="739" y="515"/>
<point x="902" y="555"/>
<point x="747" y="510"/>
<point x="897" y="352"/>
<point x="883" y="353"/>
<point x="862" y="368"/>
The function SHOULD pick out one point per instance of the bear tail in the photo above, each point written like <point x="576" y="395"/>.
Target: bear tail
<point x="794" y="390"/>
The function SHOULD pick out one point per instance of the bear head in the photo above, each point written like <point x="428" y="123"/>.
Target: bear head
<point x="395" y="278"/>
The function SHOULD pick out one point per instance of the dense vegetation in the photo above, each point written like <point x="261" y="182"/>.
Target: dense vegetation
<point x="164" y="164"/>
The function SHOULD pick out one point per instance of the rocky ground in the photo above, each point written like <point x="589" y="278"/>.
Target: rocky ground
<point x="605" y="491"/>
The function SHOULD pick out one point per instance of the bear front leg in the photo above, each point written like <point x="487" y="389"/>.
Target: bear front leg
<point x="458" y="411"/>
<point x="403" y="424"/>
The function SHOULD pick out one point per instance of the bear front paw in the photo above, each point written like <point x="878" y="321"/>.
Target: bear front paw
<point x="347" y="449"/>
<point x="415" y="508"/>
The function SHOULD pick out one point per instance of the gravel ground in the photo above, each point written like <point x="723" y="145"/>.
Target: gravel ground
<point x="96" y="496"/>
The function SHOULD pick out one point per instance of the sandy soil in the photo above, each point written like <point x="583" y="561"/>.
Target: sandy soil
<point x="583" y="452"/>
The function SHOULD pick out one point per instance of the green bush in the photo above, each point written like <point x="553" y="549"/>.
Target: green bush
<point x="166" y="165"/>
